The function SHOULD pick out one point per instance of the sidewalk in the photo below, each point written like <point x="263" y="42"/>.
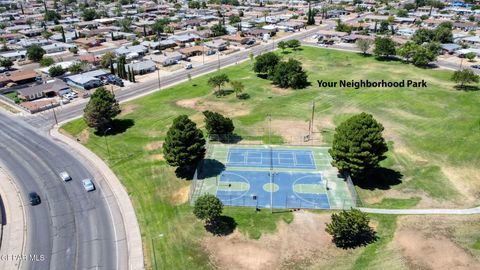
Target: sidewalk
<point x="433" y="211"/>
<point x="13" y="231"/>
<point x="130" y="223"/>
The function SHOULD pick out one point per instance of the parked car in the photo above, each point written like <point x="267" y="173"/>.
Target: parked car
<point x="475" y="66"/>
<point x="112" y="79"/>
<point x="188" y="66"/>
<point x="34" y="198"/>
<point x="88" y="184"/>
<point x="65" y="176"/>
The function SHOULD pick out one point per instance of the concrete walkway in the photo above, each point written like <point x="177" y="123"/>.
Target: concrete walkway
<point x="14" y="230"/>
<point x="433" y="211"/>
<point x="132" y="229"/>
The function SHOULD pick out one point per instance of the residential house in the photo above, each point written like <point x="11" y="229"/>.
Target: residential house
<point x="142" y="67"/>
<point x="472" y="40"/>
<point x="86" y="80"/>
<point x="14" y="55"/>
<point x="57" y="47"/>
<point x="236" y="39"/>
<point x="89" y="42"/>
<point x="18" y="77"/>
<point x="186" y="38"/>
<point x="167" y="58"/>
<point x="217" y="44"/>
<point x="57" y="87"/>
<point x="131" y="52"/>
<point x="450" y="48"/>
<point x="193" y="51"/>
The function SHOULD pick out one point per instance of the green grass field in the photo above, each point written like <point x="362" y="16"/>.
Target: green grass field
<point x="428" y="129"/>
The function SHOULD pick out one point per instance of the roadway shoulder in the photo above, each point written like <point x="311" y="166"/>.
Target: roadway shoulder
<point x="13" y="225"/>
<point x="132" y="229"/>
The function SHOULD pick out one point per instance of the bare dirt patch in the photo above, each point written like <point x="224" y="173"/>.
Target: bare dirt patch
<point x="83" y="136"/>
<point x="156" y="157"/>
<point x="181" y="195"/>
<point x="188" y="103"/>
<point x="304" y="238"/>
<point x="225" y="108"/>
<point x="153" y="146"/>
<point x="280" y="91"/>
<point x="466" y="180"/>
<point x="128" y="108"/>
<point x="426" y="243"/>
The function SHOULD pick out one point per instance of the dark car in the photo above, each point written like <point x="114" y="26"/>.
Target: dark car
<point x="475" y="66"/>
<point x="34" y="198"/>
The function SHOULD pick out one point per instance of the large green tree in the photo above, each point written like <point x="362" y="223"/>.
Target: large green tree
<point x="6" y="63"/>
<point x="265" y="63"/>
<point x="464" y="76"/>
<point x="218" y="81"/>
<point x="218" y="124"/>
<point x="89" y="14"/>
<point x="384" y="47"/>
<point x="364" y="45"/>
<point x="101" y="109"/>
<point x="184" y="144"/>
<point x="35" y="52"/>
<point x="294" y="44"/>
<point x="208" y="208"/>
<point x="289" y="74"/>
<point x="358" y="145"/>
<point x="55" y="71"/>
<point x="218" y="30"/>
<point x="350" y="229"/>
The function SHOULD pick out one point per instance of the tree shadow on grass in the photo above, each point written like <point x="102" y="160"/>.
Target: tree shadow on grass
<point x="286" y="52"/>
<point x="388" y="59"/>
<point x="221" y="226"/>
<point x="467" y="88"/>
<point x="362" y="240"/>
<point x="380" y="178"/>
<point x="226" y="138"/>
<point x="185" y="172"/>
<point x="117" y="126"/>
<point x="243" y="96"/>
<point x="223" y="92"/>
<point x="262" y="76"/>
<point x="211" y="168"/>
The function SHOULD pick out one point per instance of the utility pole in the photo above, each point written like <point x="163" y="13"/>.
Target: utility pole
<point x="106" y="142"/>
<point x="271" y="161"/>
<point x="54" y="114"/>
<point x="311" y="120"/>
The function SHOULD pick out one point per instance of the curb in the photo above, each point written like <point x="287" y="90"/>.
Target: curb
<point x="130" y="223"/>
<point x="8" y="212"/>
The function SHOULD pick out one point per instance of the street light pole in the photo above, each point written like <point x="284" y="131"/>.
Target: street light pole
<point x="153" y="249"/>
<point x="158" y="75"/>
<point x="106" y="142"/>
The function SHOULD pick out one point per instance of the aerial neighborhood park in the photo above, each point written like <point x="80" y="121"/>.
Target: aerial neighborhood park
<point x="247" y="153"/>
<point x="240" y="135"/>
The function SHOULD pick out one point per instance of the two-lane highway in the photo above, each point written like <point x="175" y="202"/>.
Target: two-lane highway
<point x="71" y="228"/>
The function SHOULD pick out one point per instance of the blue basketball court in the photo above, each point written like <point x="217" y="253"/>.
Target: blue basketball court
<point x="288" y="189"/>
<point x="274" y="158"/>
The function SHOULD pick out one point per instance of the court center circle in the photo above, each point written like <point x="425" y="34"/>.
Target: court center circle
<point x="271" y="187"/>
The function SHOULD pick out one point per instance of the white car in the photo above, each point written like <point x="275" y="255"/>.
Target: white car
<point x="88" y="184"/>
<point x="65" y="176"/>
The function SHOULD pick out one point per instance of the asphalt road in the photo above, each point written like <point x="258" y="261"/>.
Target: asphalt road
<point x="45" y="120"/>
<point x="71" y="228"/>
